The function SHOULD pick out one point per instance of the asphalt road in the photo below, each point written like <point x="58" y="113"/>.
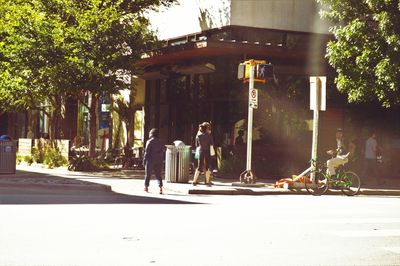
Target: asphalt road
<point x="42" y="228"/>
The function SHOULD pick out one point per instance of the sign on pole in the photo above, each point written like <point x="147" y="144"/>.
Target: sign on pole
<point x="318" y="93"/>
<point x="317" y="103"/>
<point x="253" y="98"/>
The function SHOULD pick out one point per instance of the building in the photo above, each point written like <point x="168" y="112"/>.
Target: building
<point x="193" y="78"/>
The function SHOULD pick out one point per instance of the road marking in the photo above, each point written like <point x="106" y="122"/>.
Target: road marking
<point x="367" y="233"/>
<point x="392" y="249"/>
<point x="346" y="221"/>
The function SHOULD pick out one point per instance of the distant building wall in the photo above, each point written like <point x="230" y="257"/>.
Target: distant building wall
<point x="293" y="15"/>
<point x="191" y="16"/>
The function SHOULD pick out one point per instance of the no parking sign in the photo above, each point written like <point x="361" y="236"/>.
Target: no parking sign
<point x="253" y="98"/>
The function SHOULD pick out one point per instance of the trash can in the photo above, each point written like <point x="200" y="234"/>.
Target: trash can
<point x="177" y="158"/>
<point x="8" y="155"/>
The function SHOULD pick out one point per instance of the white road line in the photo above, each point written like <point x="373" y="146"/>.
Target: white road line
<point x="392" y="249"/>
<point x="367" y="233"/>
<point x="346" y="221"/>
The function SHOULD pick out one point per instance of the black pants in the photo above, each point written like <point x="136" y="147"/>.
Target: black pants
<point x="204" y="160"/>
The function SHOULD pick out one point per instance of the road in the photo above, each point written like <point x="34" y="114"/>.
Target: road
<point x="42" y="228"/>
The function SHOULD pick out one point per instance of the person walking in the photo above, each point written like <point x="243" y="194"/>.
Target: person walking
<point x="153" y="158"/>
<point x="203" y="144"/>
<point x="239" y="139"/>
<point x="370" y="156"/>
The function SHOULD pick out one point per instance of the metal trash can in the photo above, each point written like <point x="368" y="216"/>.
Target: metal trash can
<point x="177" y="159"/>
<point x="8" y="155"/>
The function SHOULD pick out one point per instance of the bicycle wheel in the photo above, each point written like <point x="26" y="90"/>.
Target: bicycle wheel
<point x="351" y="183"/>
<point x="318" y="186"/>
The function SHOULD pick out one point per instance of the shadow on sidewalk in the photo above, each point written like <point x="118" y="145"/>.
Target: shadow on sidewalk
<point x="29" y="198"/>
<point x="25" y="188"/>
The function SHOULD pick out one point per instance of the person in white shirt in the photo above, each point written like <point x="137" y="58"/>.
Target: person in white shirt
<point x="370" y="158"/>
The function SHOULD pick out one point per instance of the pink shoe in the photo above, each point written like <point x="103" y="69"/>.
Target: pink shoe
<point x="146" y="189"/>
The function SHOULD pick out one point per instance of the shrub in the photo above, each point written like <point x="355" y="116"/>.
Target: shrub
<point x="53" y="158"/>
<point x="27" y="159"/>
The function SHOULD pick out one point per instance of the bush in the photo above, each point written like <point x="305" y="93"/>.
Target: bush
<point x="53" y="158"/>
<point x="233" y="165"/>
<point x="27" y="159"/>
<point x="82" y="163"/>
<point x="36" y="155"/>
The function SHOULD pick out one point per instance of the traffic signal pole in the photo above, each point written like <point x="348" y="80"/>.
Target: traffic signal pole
<point x="246" y="72"/>
<point x="247" y="176"/>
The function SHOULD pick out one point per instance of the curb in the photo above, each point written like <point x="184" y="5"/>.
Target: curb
<point x="365" y="192"/>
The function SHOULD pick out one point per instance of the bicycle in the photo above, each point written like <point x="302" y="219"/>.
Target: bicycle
<point x="128" y="160"/>
<point x="317" y="182"/>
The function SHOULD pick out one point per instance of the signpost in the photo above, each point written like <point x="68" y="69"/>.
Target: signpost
<point x="247" y="176"/>
<point x="317" y="103"/>
<point x="252" y="71"/>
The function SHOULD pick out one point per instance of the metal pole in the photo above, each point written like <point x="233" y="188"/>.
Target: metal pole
<point x="250" y="121"/>
<point x="314" y="150"/>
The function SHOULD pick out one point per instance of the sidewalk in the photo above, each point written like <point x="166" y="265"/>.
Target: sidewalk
<point x="131" y="182"/>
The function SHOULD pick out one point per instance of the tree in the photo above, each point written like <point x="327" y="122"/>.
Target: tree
<point x="50" y="48"/>
<point x="366" y="49"/>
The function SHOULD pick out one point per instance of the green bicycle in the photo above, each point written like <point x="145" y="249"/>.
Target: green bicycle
<point x="317" y="182"/>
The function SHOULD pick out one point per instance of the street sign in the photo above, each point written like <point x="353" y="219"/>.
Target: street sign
<point x="318" y="93"/>
<point x="253" y="98"/>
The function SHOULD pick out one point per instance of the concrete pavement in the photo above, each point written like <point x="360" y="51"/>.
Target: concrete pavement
<point x="131" y="182"/>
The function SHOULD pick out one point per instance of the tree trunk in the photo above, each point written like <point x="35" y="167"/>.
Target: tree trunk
<point x="93" y="125"/>
<point x="58" y="118"/>
<point x="130" y="130"/>
<point x="52" y="126"/>
<point x="111" y="124"/>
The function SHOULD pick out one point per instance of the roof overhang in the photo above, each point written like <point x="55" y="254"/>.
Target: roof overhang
<point x="207" y="48"/>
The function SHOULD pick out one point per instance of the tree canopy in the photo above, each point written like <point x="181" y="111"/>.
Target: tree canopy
<point x="366" y="49"/>
<point x="50" y="46"/>
<point x="53" y="48"/>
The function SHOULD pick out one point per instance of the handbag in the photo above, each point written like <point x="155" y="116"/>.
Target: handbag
<point x="212" y="151"/>
<point x="197" y="153"/>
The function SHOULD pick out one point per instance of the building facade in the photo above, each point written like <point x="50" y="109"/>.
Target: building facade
<point x="193" y="78"/>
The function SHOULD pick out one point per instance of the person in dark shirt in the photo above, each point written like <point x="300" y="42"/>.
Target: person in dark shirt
<point x="203" y="143"/>
<point x="153" y="158"/>
<point x="239" y="139"/>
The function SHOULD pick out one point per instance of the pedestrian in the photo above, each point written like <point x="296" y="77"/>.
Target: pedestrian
<point x="239" y="139"/>
<point x="153" y="158"/>
<point x="203" y="144"/>
<point x="339" y="156"/>
<point x="370" y="156"/>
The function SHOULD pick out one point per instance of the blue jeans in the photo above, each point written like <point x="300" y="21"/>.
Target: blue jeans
<point x="149" y="168"/>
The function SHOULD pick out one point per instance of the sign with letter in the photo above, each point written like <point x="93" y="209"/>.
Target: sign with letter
<point x="253" y="98"/>
<point x="25" y="147"/>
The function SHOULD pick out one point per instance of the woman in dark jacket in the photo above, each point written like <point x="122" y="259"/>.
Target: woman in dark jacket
<point x="203" y="143"/>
